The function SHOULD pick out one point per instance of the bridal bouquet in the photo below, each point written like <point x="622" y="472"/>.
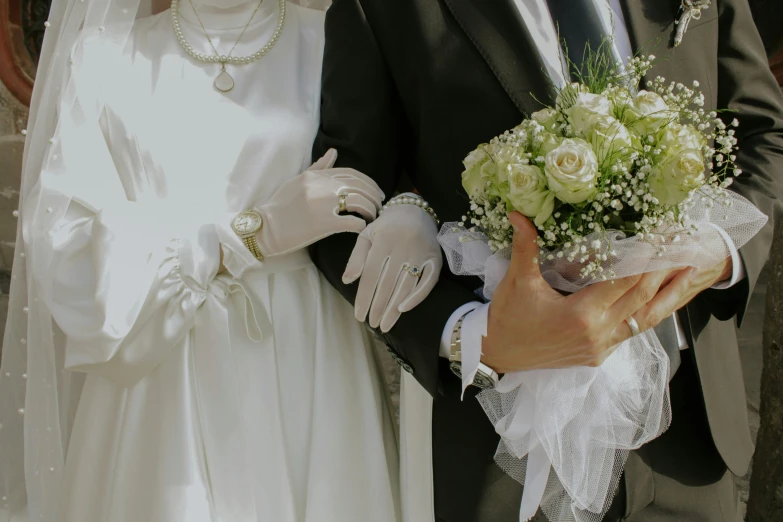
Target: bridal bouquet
<point x="618" y="182"/>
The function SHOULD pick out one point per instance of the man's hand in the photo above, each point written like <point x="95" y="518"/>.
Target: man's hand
<point x="532" y="326"/>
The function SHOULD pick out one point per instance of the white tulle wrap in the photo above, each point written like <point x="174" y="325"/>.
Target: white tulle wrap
<point x="566" y="433"/>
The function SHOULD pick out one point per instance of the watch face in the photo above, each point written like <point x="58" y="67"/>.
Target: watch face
<point x="483" y="381"/>
<point x="247" y="222"/>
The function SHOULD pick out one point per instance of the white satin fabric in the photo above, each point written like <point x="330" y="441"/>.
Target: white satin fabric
<point x="252" y="396"/>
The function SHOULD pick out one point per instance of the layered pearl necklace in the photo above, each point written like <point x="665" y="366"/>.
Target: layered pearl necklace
<point x="224" y="81"/>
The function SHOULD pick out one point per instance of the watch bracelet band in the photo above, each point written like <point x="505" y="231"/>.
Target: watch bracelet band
<point x="252" y="244"/>
<point x="455" y="355"/>
<point x="485" y="377"/>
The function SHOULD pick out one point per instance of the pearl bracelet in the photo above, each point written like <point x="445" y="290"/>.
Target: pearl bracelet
<point x="411" y="199"/>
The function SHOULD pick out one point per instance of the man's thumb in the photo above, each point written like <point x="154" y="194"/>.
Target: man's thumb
<point x="524" y="250"/>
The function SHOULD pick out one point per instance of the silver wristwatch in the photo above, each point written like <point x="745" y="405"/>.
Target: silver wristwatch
<point x="485" y="377"/>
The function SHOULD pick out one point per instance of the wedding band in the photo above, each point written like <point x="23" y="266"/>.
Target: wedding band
<point x="413" y="270"/>
<point x="342" y="198"/>
<point x="631" y="322"/>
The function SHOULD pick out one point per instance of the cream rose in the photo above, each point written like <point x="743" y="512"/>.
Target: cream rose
<point x="676" y="137"/>
<point x="548" y="143"/>
<point x="585" y="108"/>
<point x="649" y="113"/>
<point x="609" y="137"/>
<point x="479" y="169"/>
<point x="677" y="176"/>
<point x="571" y="171"/>
<point x="621" y="99"/>
<point x="528" y="193"/>
<point x="547" y="118"/>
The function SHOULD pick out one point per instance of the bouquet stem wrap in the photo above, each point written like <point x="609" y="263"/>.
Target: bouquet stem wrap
<point x="566" y="433"/>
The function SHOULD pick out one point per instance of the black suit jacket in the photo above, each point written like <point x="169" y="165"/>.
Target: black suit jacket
<point x="411" y="86"/>
<point x="768" y="15"/>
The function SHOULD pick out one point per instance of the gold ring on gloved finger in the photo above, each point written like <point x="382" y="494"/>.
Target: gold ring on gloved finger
<point x="413" y="270"/>
<point x="342" y="201"/>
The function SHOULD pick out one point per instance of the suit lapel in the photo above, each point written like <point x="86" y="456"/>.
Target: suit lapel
<point x="650" y="25"/>
<point x="495" y="27"/>
<point x="497" y="30"/>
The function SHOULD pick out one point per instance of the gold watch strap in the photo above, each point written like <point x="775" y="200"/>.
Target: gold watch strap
<point x="252" y="244"/>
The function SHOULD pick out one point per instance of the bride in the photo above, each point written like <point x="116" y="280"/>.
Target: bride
<point x="172" y="354"/>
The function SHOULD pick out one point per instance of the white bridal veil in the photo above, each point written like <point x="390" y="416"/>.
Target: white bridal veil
<point x="38" y="398"/>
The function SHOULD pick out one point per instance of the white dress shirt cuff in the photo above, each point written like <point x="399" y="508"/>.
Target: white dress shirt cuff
<point x="474" y="329"/>
<point x="737" y="266"/>
<point x="445" y="338"/>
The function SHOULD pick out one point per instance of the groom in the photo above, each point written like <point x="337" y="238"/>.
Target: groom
<point x="411" y="86"/>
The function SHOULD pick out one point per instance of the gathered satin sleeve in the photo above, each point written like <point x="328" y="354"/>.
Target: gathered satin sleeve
<point x="122" y="279"/>
<point x="123" y="291"/>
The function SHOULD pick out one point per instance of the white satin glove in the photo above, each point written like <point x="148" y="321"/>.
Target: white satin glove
<point x="405" y="236"/>
<point x="305" y="209"/>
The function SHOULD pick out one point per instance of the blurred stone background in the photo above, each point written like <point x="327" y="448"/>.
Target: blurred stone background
<point x="21" y="30"/>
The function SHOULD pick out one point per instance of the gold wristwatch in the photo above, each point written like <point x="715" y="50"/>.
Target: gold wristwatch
<point x="485" y="377"/>
<point x="246" y="225"/>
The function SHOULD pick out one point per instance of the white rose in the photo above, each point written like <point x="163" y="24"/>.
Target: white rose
<point x="677" y="176"/>
<point x="479" y="169"/>
<point x="585" y="107"/>
<point x="547" y="118"/>
<point x="676" y="137"/>
<point x="610" y="138"/>
<point x="505" y="156"/>
<point x="649" y="112"/>
<point x="528" y="193"/>
<point x="548" y="142"/>
<point x="621" y="98"/>
<point x="571" y="170"/>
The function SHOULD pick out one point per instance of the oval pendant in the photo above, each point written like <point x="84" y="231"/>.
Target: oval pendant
<point x="224" y="82"/>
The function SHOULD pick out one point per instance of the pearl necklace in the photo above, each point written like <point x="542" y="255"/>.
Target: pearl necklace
<point x="224" y="81"/>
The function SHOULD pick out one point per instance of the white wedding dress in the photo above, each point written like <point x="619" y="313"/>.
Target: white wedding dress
<point x="251" y="396"/>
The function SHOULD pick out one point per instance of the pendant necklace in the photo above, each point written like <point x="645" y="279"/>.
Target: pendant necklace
<point x="224" y="81"/>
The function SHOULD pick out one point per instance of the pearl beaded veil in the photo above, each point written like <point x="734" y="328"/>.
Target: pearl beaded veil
<point x="38" y="398"/>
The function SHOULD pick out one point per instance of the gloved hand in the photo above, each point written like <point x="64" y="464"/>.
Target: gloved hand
<point x="386" y="256"/>
<point x="305" y="209"/>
